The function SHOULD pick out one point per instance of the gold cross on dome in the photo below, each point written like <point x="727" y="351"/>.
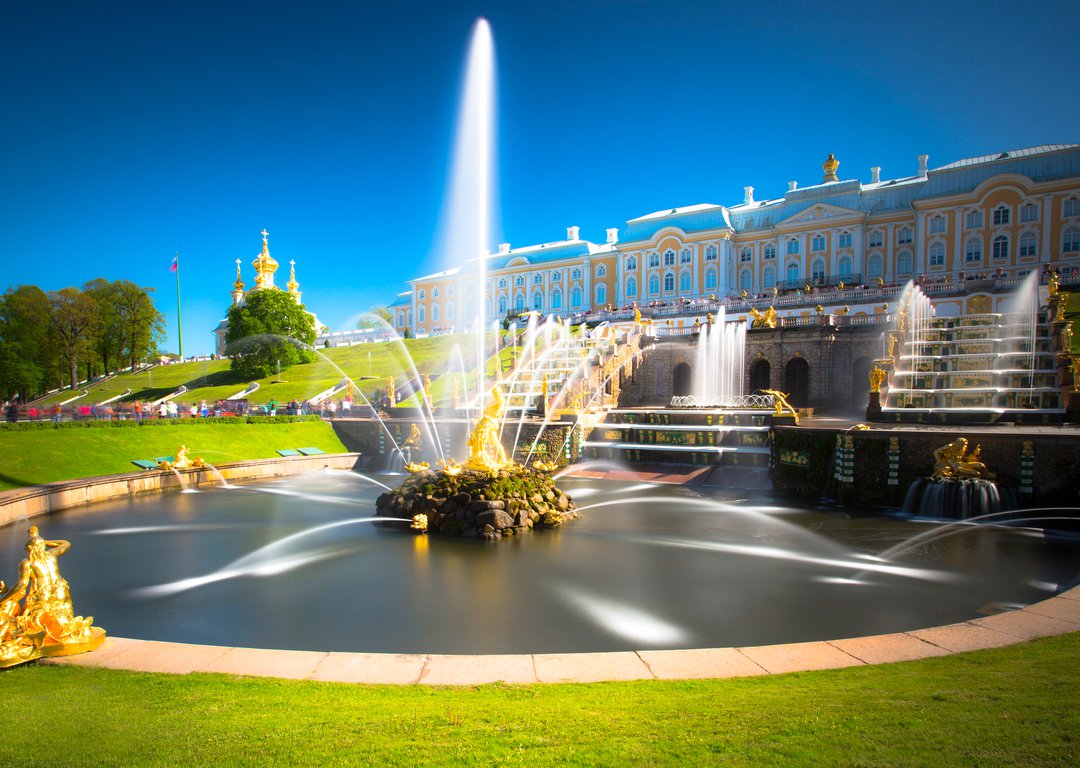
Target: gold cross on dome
<point x="264" y="233"/>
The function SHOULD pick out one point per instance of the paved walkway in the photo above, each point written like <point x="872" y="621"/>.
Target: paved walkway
<point x="1056" y="616"/>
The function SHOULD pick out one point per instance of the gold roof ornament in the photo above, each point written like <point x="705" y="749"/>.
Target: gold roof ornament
<point x="238" y="286"/>
<point x="292" y="285"/>
<point x="264" y="264"/>
<point x="830" y="167"/>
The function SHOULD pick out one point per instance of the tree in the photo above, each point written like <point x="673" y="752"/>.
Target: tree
<point x="28" y="349"/>
<point x="374" y="318"/>
<point x="74" y="318"/>
<point x="106" y="343"/>
<point x="140" y="326"/>
<point x="267" y="333"/>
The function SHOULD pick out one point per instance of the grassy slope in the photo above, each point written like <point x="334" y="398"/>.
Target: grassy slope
<point x="1012" y="706"/>
<point x="212" y="380"/>
<point x="44" y="455"/>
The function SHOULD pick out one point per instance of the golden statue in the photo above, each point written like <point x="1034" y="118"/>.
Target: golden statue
<point x="709" y="318"/>
<point x="819" y="309"/>
<point x="413" y="440"/>
<point x="840" y="285"/>
<point x="1060" y="316"/>
<point x="781" y="403"/>
<point x="830" y="166"/>
<point x="182" y="461"/>
<point x="427" y="388"/>
<point x="36" y="615"/>
<point x="545" y="466"/>
<point x="1066" y="338"/>
<point x="486" y="452"/>
<point x="1074" y="366"/>
<point x="419" y="523"/>
<point x="637" y="316"/>
<point x="901" y="317"/>
<point x="766" y="319"/>
<point x="416" y="469"/>
<point x="877" y="376"/>
<point x="390" y="389"/>
<point x="449" y="466"/>
<point x="1053" y="285"/>
<point x="544" y="389"/>
<point x="952" y="461"/>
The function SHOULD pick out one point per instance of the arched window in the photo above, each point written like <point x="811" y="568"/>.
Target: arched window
<point x="601" y="294"/>
<point x="973" y="251"/>
<point x="556" y="276"/>
<point x="420" y="314"/>
<point x="502" y="305"/>
<point x="601" y="270"/>
<point x="538" y="278"/>
<point x="874" y="266"/>
<point x="1029" y="245"/>
<point x="669" y="258"/>
<point x="631" y="286"/>
<point x="519" y="302"/>
<point x="519" y="280"/>
<point x="502" y="282"/>
<point x="937" y="255"/>
<point x="538" y="301"/>
<point x="1000" y="244"/>
<point x="435" y="312"/>
<point x="1001" y="215"/>
<point x="1070" y="240"/>
<point x="669" y="282"/>
<point x="844" y="267"/>
<point x="903" y="264"/>
<point x="654" y="284"/>
<point x="710" y="279"/>
<point x="434" y="293"/>
<point x="817" y="271"/>
<point x="745" y="281"/>
<point x="556" y="299"/>
<point x="768" y="278"/>
<point x="575" y="297"/>
<point x="421" y="295"/>
<point x="793" y="273"/>
<point x="684" y="282"/>
<point x="575" y="274"/>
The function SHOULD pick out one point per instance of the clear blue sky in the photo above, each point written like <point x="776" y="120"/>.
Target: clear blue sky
<point x="130" y="130"/>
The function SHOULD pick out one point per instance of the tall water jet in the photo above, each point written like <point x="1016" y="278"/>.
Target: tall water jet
<point x="466" y="230"/>
<point x="720" y="359"/>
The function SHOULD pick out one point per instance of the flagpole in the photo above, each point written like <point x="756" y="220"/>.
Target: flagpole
<point x="179" y="321"/>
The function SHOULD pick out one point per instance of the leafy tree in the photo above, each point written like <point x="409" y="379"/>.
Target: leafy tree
<point x="106" y="343"/>
<point x="74" y="318"/>
<point x="267" y="332"/>
<point x="139" y="324"/>
<point x="373" y="316"/>
<point x="28" y="349"/>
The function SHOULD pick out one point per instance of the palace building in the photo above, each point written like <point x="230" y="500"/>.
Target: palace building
<point x="994" y="216"/>
<point x="265" y="267"/>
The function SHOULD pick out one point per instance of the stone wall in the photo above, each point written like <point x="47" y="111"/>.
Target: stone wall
<point x="52" y="497"/>
<point x="804" y="462"/>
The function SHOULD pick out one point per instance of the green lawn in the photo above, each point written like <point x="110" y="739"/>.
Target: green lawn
<point x="42" y="455"/>
<point x="1008" y="707"/>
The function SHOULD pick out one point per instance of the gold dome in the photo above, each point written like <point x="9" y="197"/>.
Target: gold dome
<point x="265" y="266"/>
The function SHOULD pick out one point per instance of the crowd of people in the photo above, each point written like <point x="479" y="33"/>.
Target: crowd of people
<point x="328" y="408"/>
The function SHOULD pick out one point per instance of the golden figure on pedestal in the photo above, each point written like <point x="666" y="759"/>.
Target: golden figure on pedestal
<point x="780" y="402"/>
<point x="36" y="615"/>
<point x="877" y="376"/>
<point x="485" y="448"/>
<point x="766" y="319"/>
<point x="390" y="390"/>
<point x="952" y="461"/>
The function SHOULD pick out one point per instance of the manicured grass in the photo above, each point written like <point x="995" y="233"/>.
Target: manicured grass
<point x="43" y="455"/>
<point x="1008" y="707"/>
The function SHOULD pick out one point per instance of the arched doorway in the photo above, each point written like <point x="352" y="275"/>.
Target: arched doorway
<point x="760" y="375"/>
<point x="797" y="382"/>
<point x="680" y="380"/>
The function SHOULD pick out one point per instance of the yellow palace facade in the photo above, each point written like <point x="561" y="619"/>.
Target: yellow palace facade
<point x="994" y="216"/>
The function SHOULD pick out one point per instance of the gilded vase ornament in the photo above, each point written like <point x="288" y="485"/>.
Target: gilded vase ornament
<point x="830" y="167"/>
<point x="36" y="615"/>
<point x="953" y="462"/>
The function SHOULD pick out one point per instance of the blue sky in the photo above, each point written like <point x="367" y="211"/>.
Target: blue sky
<point x="131" y="131"/>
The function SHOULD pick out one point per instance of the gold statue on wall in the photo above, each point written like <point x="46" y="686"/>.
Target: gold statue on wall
<point x="413" y="440"/>
<point x="1053" y="285"/>
<point x="427" y="388"/>
<point x="486" y="452"/>
<point x="766" y="319"/>
<point x="952" y="461"/>
<point x="36" y="615"/>
<point x="390" y="389"/>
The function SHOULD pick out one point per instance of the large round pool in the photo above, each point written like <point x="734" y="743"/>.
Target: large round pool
<point x="298" y="564"/>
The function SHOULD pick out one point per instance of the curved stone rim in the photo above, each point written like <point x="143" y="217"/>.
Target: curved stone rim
<point x="1056" y="615"/>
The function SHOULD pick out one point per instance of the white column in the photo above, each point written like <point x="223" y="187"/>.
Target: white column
<point x="958" y="240"/>
<point x="858" y="244"/>
<point x="890" y="235"/>
<point x="1047" y="250"/>
<point x="618" y="292"/>
<point x="920" y="248"/>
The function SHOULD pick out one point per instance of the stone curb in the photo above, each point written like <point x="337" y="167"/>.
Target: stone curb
<point x="1055" y="616"/>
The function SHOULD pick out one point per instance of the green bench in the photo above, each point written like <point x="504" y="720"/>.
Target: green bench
<point x="144" y="464"/>
<point x="288" y="452"/>
<point x="311" y="451"/>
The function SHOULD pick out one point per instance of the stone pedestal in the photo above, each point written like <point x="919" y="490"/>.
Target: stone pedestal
<point x="873" y="408"/>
